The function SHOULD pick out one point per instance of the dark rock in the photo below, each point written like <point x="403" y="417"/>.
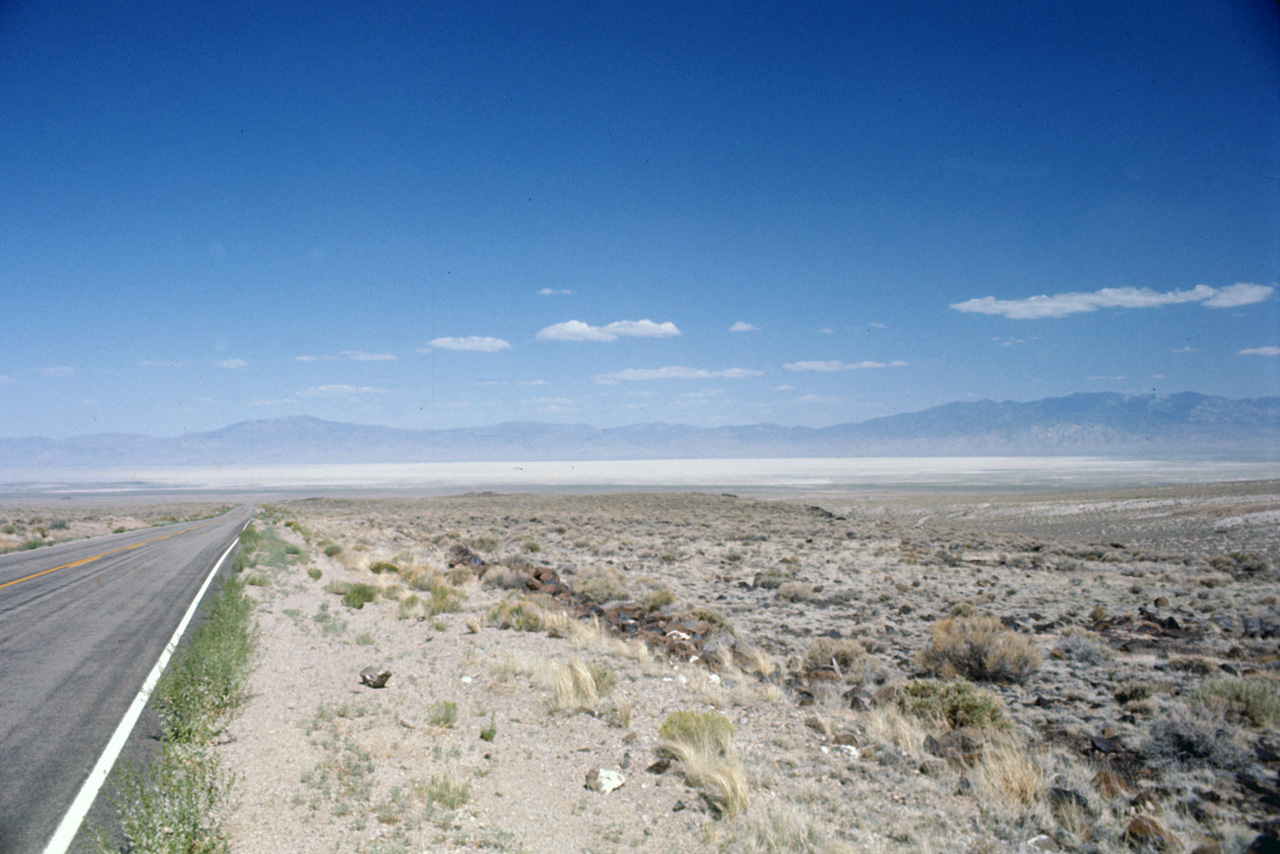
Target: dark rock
<point x="1264" y="845"/>
<point x="1103" y="744"/>
<point x="1145" y="831"/>
<point x="460" y="555"/>
<point x="1060" y="796"/>
<point x="659" y="767"/>
<point x="375" y="677"/>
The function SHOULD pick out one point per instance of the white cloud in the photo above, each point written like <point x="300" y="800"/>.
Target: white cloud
<point x="1187" y="349"/>
<point x="1061" y="305"/>
<point x="576" y="330"/>
<point x="339" y="390"/>
<point x="314" y="358"/>
<point x="784" y="388"/>
<point x="1260" y="351"/>
<point x="472" y="343"/>
<point x="58" y="371"/>
<point x="147" y="364"/>
<point x="813" y="398"/>
<point x="1233" y="296"/>
<point x="361" y="356"/>
<point x="1009" y="342"/>
<point x="233" y="364"/>
<point x="875" y="325"/>
<point x="552" y="292"/>
<point x="826" y="330"/>
<point x="743" y="326"/>
<point x="675" y="372"/>
<point x="827" y="367"/>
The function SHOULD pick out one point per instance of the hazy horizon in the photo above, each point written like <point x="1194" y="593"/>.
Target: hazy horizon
<point x="455" y="215"/>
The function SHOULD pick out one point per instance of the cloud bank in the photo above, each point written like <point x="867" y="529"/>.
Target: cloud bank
<point x="473" y="343"/>
<point x="743" y="326"/>
<point x="576" y="330"/>
<point x="1261" y="351"/>
<point x="362" y="356"/>
<point x="339" y="390"/>
<point x="675" y="372"/>
<point x="1061" y="305"/>
<point x="828" y="367"/>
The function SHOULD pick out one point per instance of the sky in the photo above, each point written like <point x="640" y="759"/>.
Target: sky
<point x="436" y="215"/>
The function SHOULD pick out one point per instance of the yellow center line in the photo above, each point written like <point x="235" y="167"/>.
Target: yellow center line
<point x="85" y="560"/>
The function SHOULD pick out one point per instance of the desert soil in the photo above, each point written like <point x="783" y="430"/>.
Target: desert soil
<point x="1138" y="606"/>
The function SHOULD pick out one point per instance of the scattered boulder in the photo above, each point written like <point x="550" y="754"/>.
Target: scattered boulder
<point x="460" y="555"/>
<point x="375" y="677"/>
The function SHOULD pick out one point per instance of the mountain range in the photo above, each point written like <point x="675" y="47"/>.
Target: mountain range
<point x="1187" y="424"/>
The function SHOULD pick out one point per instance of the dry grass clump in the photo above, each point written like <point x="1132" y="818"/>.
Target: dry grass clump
<point x="504" y="577"/>
<point x="980" y="648"/>
<point x="703" y="744"/>
<point x="843" y="655"/>
<point x="952" y="704"/>
<point x="781" y="829"/>
<point x="1008" y="773"/>
<point x="597" y="586"/>
<point x="573" y="685"/>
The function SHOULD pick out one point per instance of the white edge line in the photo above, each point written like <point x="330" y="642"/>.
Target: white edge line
<point x="70" y="824"/>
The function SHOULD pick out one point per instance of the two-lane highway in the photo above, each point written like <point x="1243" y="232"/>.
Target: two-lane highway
<point x="81" y="626"/>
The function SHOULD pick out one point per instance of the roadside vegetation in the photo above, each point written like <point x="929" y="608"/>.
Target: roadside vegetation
<point x="175" y="803"/>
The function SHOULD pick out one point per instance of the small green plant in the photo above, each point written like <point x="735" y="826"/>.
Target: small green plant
<point x="118" y="530"/>
<point x="354" y="594"/>
<point x="332" y="550"/>
<point x="257" y="578"/>
<point x="443" y="714"/>
<point x="531" y="546"/>
<point x="448" y="791"/>
<point x="704" y="730"/>
<point x="314" y="573"/>
<point x="59" y="525"/>
<point x="381" y="566"/>
<point x="954" y="703"/>
<point x="489" y="732"/>
<point x="364" y="639"/>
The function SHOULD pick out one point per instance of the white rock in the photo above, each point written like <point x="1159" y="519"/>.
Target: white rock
<point x="604" y="780"/>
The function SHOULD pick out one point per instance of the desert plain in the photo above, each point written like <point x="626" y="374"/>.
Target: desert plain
<point x="894" y="670"/>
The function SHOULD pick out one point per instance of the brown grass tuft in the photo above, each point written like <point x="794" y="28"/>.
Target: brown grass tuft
<point x="979" y="648"/>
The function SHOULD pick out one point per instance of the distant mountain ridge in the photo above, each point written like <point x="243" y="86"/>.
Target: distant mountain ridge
<point x="1185" y="424"/>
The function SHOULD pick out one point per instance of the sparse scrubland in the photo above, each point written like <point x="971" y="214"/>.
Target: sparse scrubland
<point x="1093" y="672"/>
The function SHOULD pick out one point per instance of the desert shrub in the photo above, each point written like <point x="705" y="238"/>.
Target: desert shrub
<point x="795" y="591"/>
<point x="332" y="550"/>
<point x="1132" y="691"/>
<point x="1193" y="664"/>
<point x="1255" y="701"/>
<point x="1240" y="563"/>
<point x="503" y="576"/>
<point x="823" y="651"/>
<point x="955" y="703"/>
<point x="1192" y="738"/>
<point x="710" y="616"/>
<point x="979" y="648"/>
<point x="772" y="579"/>
<point x="604" y="678"/>
<point x="444" y="599"/>
<point x="447" y="790"/>
<point x="412" y="608"/>
<point x="118" y="530"/>
<point x="443" y="714"/>
<point x="314" y="573"/>
<point x="354" y="594"/>
<point x="381" y="566"/>
<point x="531" y="546"/>
<point x="702" y="742"/>
<point x="483" y="543"/>
<point x="59" y="525"/>
<point x="599" y="586"/>
<point x="1084" y="648"/>
<point x="659" y="599"/>
<point x="515" y="612"/>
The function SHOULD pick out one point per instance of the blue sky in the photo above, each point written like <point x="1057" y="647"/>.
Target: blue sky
<point x="438" y="215"/>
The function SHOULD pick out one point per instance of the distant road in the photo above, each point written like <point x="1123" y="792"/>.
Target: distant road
<point x="81" y="625"/>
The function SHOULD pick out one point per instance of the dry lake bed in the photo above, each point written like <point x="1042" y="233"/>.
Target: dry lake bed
<point x="1004" y="665"/>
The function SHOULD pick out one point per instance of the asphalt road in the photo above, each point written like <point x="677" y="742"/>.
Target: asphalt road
<point x="81" y="626"/>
